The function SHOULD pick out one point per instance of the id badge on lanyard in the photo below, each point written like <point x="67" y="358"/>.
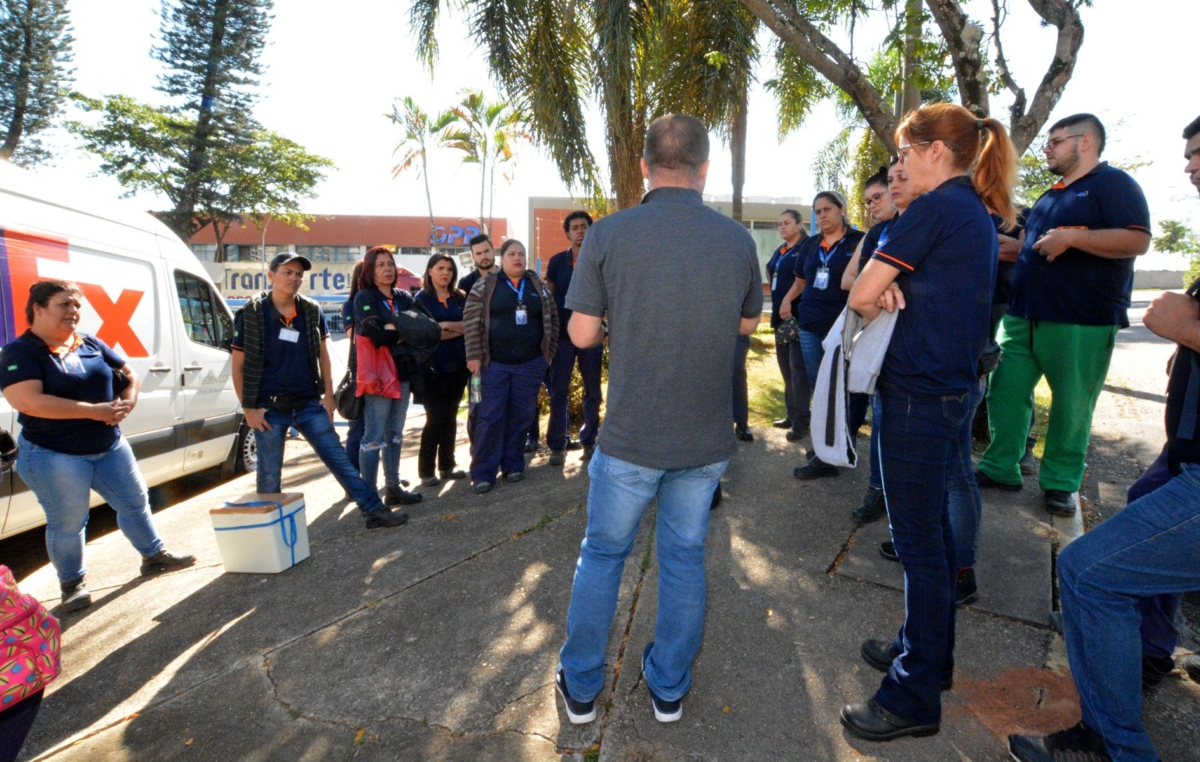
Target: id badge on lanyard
<point x="522" y="315"/>
<point x="822" y="280"/>
<point x="72" y="363"/>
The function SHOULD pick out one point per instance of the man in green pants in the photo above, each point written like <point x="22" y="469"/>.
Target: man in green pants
<point x="1070" y="293"/>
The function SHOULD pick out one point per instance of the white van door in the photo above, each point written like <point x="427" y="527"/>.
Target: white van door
<point x="209" y="424"/>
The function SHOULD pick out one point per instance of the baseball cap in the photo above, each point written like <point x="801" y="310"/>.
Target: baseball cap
<point x="290" y="256"/>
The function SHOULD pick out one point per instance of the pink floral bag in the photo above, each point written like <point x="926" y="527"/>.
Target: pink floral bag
<point x="29" y="643"/>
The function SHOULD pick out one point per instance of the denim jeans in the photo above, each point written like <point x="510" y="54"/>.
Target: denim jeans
<point x="61" y="483"/>
<point x="506" y="410"/>
<point x="918" y="438"/>
<point x="590" y="363"/>
<point x="801" y="387"/>
<point x="962" y="492"/>
<point x="314" y="425"/>
<point x="354" y="435"/>
<point x="1147" y="549"/>
<point x="383" y="433"/>
<point x="796" y="407"/>
<point x="1159" y="634"/>
<point x="618" y="495"/>
<point x="741" y="393"/>
<point x="810" y="345"/>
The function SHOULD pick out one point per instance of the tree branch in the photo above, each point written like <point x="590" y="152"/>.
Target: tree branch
<point x="1063" y="16"/>
<point x="1018" y="107"/>
<point x="964" y="38"/>
<point x="826" y="57"/>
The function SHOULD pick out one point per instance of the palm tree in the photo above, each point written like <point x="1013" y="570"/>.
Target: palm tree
<point x="550" y="56"/>
<point x="709" y="52"/>
<point x="421" y="132"/>
<point x="488" y="135"/>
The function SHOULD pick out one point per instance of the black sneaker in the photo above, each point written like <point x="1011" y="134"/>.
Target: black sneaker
<point x="1059" y="503"/>
<point x="888" y="551"/>
<point x="966" y="591"/>
<point x="1155" y="669"/>
<point x="578" y="712"/>
<point x="451" y="475"/>
<point x="782" y="423"/>
<point x="531" y="446"/>
<point x="557" y="457"/>
<point x="75" y="596"/>
<point x="795" y="435"/>
<point x="1077" y="744"/>
<point x="814" y="469"/>
<point x="664" y="711"/>
<point x="482" y="487"/>
<point x="385" y="517"/>
<point x="873" y="507"/>
<point x="514" y="477"/>
<point x="398" y="496"/>
<point x="165" y="561"/>
<point x="986" y="482"/>
<point x="743" y="434"/>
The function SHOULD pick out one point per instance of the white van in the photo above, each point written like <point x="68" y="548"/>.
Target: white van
<point x="145" y="295"/>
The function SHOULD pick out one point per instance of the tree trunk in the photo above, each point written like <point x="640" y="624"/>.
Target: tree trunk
<point x="737" y="145"/>
<point x="433" y="247"/>
<point x="492" y="202"/>
<point x="183" y="222"/>
<point x="16" y="125"/>
<point x="965" y="39"/>
<point x="483" y="181"/>
<point x="911" y="92"/>
<point x="219" y="234"/>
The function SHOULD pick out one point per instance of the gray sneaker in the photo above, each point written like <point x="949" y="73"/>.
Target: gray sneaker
<point x="165" y="561"/>
<point x="75" y="596"/>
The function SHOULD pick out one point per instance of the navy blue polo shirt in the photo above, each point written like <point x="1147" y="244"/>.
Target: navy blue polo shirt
<point x="285" y="367"/>
<point x="1077" y="287"/>
<point x="871" y="240"/>
<point x="781" y="270"/>
<point x="946" y="249"/>
<point x="508" y="342"/>
<point x="90" y="380"/>
<point x="468" y="281"/>
<point x="559" y="270"/>
<point x="819" y="307"/>
<point x="450" y="355"/>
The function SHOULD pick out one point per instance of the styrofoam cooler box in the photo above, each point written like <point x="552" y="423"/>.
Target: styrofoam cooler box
<point x="262" y="534"/>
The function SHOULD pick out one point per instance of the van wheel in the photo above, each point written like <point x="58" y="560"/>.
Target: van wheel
<point x="246" y="459"/>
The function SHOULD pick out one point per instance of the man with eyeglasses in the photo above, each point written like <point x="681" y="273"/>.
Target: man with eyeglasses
<point x="1069" y="296"/>
<point x="1121" y="582"/>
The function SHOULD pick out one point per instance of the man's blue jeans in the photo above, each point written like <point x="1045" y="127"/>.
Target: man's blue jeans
<point x="314" y="425"/>
<point x="61" y="483"/>
<point x="741" y="392"/>
<point x="590" y="363"/>
<point x="918" y="439"/>
<point x="505" y="412"/>
<point x="383" y="434"/>
<point x="1147" y="549"/>
<point x="618" y="495"/>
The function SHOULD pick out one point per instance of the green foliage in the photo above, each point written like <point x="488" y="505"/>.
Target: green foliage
<point x="1032" y="176"/>
<point x="1177" y="238"/>
<point x="35" y="57"/>
<point x="145" y="149"/>
<point x="797" y="88"/>
<point x="211" y="50"/>
<point x="422" y="131"/>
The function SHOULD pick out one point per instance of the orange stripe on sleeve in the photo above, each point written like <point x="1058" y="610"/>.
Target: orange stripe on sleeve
<point x="904" y="265"/>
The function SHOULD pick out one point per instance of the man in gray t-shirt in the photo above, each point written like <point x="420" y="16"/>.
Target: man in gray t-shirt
<point x="678" y="283"/>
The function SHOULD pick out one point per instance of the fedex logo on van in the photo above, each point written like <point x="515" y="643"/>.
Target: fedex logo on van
<point x="114" y="288"/>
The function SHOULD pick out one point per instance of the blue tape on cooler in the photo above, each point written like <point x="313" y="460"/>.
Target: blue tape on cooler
<point x="286" y="522"/>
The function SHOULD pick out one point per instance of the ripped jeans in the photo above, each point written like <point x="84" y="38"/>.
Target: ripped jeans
<point x="383" y="432"/>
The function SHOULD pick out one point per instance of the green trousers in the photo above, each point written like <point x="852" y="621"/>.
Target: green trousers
<point x="1074" y="359"/>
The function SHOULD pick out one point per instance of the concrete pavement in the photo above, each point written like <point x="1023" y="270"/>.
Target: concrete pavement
<point x="439" y="640"/>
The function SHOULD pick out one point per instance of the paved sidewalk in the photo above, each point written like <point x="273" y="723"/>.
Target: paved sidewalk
<point x="439" y="640"/>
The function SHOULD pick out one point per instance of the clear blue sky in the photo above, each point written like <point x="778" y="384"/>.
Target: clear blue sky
<point x="334" y="69"/>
